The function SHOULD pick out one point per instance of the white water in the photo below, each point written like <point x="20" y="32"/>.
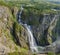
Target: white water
<point x="31" y="39"/>
<point x="19" y="20"/>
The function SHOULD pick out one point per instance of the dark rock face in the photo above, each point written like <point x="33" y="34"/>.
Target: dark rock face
<point x="41" y="31"/>
<point x="41" y="26"/>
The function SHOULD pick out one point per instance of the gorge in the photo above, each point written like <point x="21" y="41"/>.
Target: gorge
<point x="48" y="24"/>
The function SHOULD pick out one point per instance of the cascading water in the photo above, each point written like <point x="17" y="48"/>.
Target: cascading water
<point x="31" y="39"/>
<point x="19" y="15"/>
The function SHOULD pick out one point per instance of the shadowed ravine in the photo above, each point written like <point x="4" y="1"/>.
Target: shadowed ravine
<point x="32" y="42"/>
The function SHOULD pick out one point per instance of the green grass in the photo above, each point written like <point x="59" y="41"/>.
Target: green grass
<point x="23" y="52"/>
<point x="51" y="53"/>
<point x="37" y="5"/>
<point x="15" y="53"/>
<point x="58" y="54"/>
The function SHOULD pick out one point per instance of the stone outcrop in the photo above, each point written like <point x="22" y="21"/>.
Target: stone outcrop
<point x="13" y="36"/>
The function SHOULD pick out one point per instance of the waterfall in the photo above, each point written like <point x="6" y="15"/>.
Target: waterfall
<point x="31" y="39"/>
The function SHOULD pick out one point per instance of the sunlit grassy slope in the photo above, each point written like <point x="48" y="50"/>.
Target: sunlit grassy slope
<point x="35" y="4"/>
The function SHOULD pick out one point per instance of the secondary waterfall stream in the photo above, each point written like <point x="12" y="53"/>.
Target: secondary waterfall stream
<point x="31" y="39"/>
